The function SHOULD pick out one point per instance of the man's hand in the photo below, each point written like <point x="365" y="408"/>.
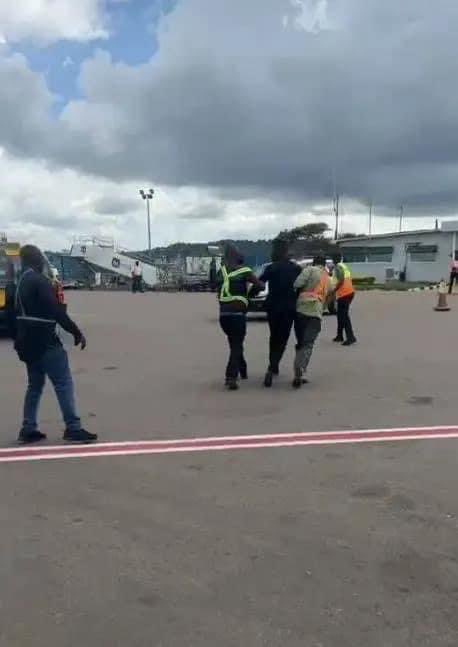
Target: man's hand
<point x="80" y="340"/>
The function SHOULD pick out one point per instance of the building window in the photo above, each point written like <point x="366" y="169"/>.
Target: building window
<point x="354" y="255"/>
<point x="422" y="253"/>
<point x="368" y="254"/>
<point x="379" y="254"/>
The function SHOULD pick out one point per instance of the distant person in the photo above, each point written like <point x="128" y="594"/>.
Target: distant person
<point x="137" y="278"/>
<point x="345" y="293"/>
<point x="212" y="273"/>
<point x="453" y="273"/>
<point x="37" y="311"/>
<point x="280" y="304"/>
<point x="234" y="282"/>
<point x="313" y="285"/>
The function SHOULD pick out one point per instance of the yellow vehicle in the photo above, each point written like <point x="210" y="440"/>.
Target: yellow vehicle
<point x="9" y="270"/>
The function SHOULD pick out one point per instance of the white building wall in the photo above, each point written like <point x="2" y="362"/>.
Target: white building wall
<point x="415" y="271"/>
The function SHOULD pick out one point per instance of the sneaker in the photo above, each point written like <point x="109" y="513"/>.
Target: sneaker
<point x="81" y="436"/>
<point x="232" y="385"/>
<point x="28" y="437"/>
<point x="338" y="339"/>
<point x="349" y="342"/>
<point x="268" y="379"/>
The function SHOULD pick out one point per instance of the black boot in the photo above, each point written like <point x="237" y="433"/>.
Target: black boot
<point x="268" y="379"/>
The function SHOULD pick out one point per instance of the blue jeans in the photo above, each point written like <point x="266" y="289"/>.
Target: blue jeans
<point x="53" y="364"/>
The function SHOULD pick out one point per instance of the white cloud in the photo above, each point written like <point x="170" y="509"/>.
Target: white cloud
<point x="47" y="21"/>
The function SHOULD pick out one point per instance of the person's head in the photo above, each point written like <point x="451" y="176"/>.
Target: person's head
<point x="137" y="263"/>
<point x="319" y="260"/>
<point x="337" y="258"/>
<point x="32" y="257"/>
<point x="456" y="256"/>
<point x="280" y="250"/>
<point x="232" y="256"/>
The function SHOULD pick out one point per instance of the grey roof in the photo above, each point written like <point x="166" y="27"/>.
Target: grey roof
<point x="395" y="234"/>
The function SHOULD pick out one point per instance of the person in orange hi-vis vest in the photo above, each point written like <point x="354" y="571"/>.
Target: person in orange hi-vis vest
<point x="345" y="293"/>
<point x="313" y="285"/>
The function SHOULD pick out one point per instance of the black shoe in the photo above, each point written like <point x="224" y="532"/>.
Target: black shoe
<point x="244" y="373"/>
<point x="81" y="436"/>
<point x="349" y="342"/>
<point x="338" y="339"/>
<point x="297" y="383"/>
<point x="268" y="379"/>
<point x="232" y="385"/>
<point x="28" y="437"/>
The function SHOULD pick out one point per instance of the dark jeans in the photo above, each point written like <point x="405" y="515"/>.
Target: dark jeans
<point x="54" y="364"/>
<point x="280" y="324"/>
<point x="234" y="327"/>
<point x="453" y="278"/>
<point x="137" y="284"/>
<point x="343" y="318"/>
<point x="307" y="331"/>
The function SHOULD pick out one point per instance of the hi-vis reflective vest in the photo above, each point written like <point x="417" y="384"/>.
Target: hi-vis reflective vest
<point x="225" y="295"/>
<point x="319" y="292"/>
<point x="347" y="286"/>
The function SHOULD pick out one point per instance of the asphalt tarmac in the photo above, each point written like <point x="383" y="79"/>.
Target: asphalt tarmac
<point x="349" y="545"/>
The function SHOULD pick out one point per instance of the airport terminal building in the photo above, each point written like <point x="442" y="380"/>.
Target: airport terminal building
<point x="423" y="255"/>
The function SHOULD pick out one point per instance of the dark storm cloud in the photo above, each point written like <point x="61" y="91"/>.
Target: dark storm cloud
<point x="241" y="97"/>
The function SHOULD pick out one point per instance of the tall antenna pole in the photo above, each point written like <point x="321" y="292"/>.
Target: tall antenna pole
<point x="336" y="213"/>
<point x="370" y="217"/>
<point x="401" y="215"/>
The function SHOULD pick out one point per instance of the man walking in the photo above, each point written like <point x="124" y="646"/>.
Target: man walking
<point x="453" y="273"/>
<point x="37" y="311"/>
<point x="314" y="286"/>
<point x="345" y="293"/>
<point x="280" y="304"/>
<point x="234" y="281"/>
<point x="137" y="278"/>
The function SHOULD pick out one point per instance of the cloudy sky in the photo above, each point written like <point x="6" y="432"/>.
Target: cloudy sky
<point x="244" y="115"/>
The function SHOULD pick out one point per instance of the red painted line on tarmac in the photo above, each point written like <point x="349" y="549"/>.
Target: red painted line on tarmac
<point x="220" y="443"/>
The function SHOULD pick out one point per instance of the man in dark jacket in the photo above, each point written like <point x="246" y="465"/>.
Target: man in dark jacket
<point x="37" y="311"/>
<point x="280" y="304"/>
<point x="235" y="281"/>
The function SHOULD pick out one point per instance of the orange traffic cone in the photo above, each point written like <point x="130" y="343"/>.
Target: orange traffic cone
<point x="442" y="305"/>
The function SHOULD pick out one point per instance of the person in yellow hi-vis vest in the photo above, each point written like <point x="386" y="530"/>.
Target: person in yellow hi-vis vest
<point x="345" y="293"/>
<point x="234" y="282"/>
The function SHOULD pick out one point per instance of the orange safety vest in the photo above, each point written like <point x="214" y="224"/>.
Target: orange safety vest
<point x="347" y="286"/>
<point x="319" y="292"/>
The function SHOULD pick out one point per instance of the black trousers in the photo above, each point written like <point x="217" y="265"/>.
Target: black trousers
<point x="137" y="284"/>
<point x="343" y="317"/>
<point x="280" y="324"/>
<point x="453" y="278"/>
<point x="234" y="327"/>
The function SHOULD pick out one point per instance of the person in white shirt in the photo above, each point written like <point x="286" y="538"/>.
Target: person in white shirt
<point x="137" y="276"/>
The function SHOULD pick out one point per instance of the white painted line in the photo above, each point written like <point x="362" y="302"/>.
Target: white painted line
<point x="224" y="443"/>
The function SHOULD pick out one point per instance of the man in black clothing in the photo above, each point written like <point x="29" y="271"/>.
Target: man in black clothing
<point x="37" y="311"/>
<point x="280" y="304"/>
<point x="234" y="281"/>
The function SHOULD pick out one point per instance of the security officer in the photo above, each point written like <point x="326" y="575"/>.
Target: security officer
<point x="345" y="293"/>
<point x="234" y="283"/>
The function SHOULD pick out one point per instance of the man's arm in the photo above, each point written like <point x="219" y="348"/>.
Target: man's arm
<point x="57" y="311"/>
<point x="340" y="276"/>
<point x="302" y="278"/>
